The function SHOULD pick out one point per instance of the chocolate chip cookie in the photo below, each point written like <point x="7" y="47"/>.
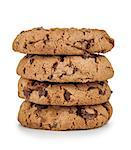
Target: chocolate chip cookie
<point x="89" y="68"/>
<point x="63" y="41"/>
<point x="46" y="93"/>
<point x="63" y="118"/>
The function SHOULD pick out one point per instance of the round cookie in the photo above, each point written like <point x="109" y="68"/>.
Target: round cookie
<point x="63" y="41"/>
<point x="46" y="93"/>
<point x="63" y="118"/>
<point x="88" y="68"/>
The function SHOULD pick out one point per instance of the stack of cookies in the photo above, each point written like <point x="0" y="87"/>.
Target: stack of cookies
<point x="64" y="78"/>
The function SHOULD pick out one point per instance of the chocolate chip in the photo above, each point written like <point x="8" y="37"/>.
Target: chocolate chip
<point x="41" y="124"/>
<point x="25" y="46"/>
<point x="78" y="112"/>
<point x="101" y="83"/>
<point x="62" y="58"/>
<point x="111" y="91"/>
<point x="64" y="73"/>
<point x="39" y="107"/>
<point x="88" y="115"/>
<point x="30" y="42"/>
<point x="34" y="82"/>
<point x="32" y="60"/>
<point x="46" y="40"/>
<point x="75" y="69"/>
<point x="89" y="43"/>
<point x="90" y="88"/>
<point x="36" y="85"/>
<point x="82" y="112"/>
<point x="67" y="95"/>
<point x="50" y="77"/>
<point x="43" y="92"/>
<point x="47" y="36"/>
<point x="55" y="66"/>
<point x="111" y="41"/>
<point x="24" y="70"/>
<point x="94" y="56"/>
<point x="83" y="32"/>
<point x="35" y="74"/>
<point x="101" y="92"/>
<point x="27" y="93"/>
<point x="87" y="55"/>
<point x="106" y="106"/>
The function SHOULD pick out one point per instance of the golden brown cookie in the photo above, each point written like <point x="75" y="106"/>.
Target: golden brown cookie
<point x="46" y="93"/>
<point x="89" y="68"/>
<point x="63" y="118"/>
<point x="63" y="41"/>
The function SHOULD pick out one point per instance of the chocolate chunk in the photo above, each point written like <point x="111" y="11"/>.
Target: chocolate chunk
<point x="50" y="77"/>
<point x="78" y="112"/>
<point x="27" y="93"/>
<point x="67" y="95"/>
<point x="64" y="73"/>
<point x="62" y="58"/>
<point x="35" y="74"/>
<point x="87" y="55"/>
<point x="30" y="42"/>
<point x="106" y="106"/>
<point x="101" y="83"/>
<point x="43" y="92"/>
<point x="89" y="43"/>
<point x="90" y="88"/>
<point x="41" y="124"/>
<point x="47" y="36"/>
<point x="101" y="92"/>
<point x="83" y="33"/>
<point x="39" y="107"/>
<point x="86" y="114"/>
<point x="111" y="41"/>
<point x="75" y="69"/>
<point x="34" y="82"/>
<point x="36" y="85"/>
<point x="55" y="66"/>
<point x="24" y="70"/>
<point x="47" y="39"/>
<point x="25" y="46"/>
<point x="32" y="60"/>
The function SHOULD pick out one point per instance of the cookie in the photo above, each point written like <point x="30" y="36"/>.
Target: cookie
<point x="65" y="69"/>
<point x="63" y="41"/>
<point x="46" y="93"/>
<point x="62" y="117"/>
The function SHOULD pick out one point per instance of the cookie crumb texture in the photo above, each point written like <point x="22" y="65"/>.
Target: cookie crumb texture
<point x="88" y="68"/>
<point x="46" y="93"/>
<point x="63" y="41"/>
<point x="63" y="118"/>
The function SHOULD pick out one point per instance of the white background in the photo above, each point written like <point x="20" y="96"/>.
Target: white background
<point x="113" y="16"/>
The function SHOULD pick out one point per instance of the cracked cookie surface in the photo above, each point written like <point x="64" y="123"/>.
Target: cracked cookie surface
<point x="89" y="68"/>
<point x="70" y="94"/>
<point x="63" y="118"/>
<point x="63" y="41"/>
